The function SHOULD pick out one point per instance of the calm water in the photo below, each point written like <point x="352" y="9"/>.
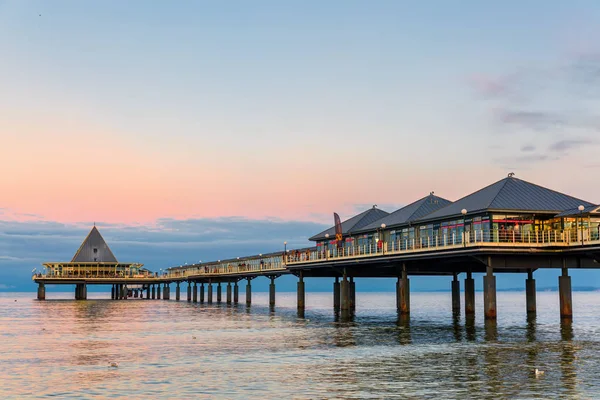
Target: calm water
<point x="61" y="348"/>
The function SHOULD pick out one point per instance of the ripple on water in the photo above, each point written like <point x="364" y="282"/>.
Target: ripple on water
<point x="63" y="349"/>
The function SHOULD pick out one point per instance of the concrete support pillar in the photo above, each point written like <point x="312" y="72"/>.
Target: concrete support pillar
<point x="125" y="289"/>
<point x="469" y="294"/>
<point x="168" y="291"/>
<point x="272" y="292"/>
<point x="84" y="292"/>
<point x="135" y="293"/>
<point x="219" y="292"/>
<point x="301" y="298"/>
<point x="236" y="293"/>
<point x="148" y="292"/>
<point x="112" y="292"/>
<point x="228" y="292"/>
<point x="158" y="288"/>
<point x="41" y="295"/>
<point x="352" y="294"/>
<point x="189" y="292"/>
<point x="345" y="293"/>
<point x="153" y="292"/>
<point x="76" y="291"/>
<point x="489" y="292"/>
<point x="455" y="294"/>
<point x="195" y="293"/>
<point x="202" y="292"/>
<point x="564" y="292"/>
<point x="404" y="292"/>
<point x="530" y="293"/>
<point x="248" y="293"/>
<point x="210" y="290"/>
<point x="336" y="294"/>
<point x="177" y="292"/>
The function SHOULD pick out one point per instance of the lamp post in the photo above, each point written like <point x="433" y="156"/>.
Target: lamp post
<point x="285" y="252"/>
<point x="326" y="245"/>
<point x="381" y="238"/>
<point x="581" y="208"/>
<point x="464" y="213"/>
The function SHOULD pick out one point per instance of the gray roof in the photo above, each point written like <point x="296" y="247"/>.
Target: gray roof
<point x="353" y="224"/>
<point x="94" y="240"/>
<point x="574" y="212"/>
<point x="510" y="194"/>
<point x="411" y="212"/>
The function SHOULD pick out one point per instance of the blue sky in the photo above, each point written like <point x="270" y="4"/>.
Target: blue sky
<point x="135" y="113"/>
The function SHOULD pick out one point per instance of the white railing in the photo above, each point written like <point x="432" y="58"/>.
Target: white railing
<point x="495" y="238"/>
<point x="264" y="264"/>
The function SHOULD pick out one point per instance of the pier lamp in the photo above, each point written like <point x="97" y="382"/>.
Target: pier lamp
<point x="464" y="213"/>
<point x="383" y="243"/>
<point x="326" y="245"/>
<point x="581" y="208"/>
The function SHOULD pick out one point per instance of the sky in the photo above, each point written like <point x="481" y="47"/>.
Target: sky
<point x="260" y="119"/>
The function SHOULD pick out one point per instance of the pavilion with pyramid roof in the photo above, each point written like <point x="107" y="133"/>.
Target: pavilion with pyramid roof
<point x="94" y="260"/>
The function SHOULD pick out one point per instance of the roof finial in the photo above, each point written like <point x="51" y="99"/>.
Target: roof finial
<point x="431" y="193"/>
<point x="374" y="205"/>
<point x="94" y="223"/>
<point x="511" y="174"/>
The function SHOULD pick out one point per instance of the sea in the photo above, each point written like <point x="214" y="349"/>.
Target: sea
<point x="62" y="348"/>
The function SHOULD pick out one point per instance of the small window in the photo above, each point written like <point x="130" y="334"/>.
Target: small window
<point x="95" y="251"/>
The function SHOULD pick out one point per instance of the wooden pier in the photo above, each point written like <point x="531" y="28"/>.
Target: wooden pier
<point x="511" y="226"/>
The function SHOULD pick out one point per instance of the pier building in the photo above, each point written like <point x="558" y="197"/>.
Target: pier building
<point x="508" y="226"/>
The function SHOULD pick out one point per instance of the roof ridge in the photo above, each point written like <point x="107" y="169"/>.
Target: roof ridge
<point x="82" y="243"/>
<point x="499" y="190"/>
<point x="362" y="216"/>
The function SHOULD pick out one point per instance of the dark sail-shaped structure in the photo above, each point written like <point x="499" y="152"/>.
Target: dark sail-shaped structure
<point x="94" y="249"/>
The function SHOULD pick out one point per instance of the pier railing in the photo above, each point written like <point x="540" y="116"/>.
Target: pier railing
<point x="231" y="267"/>
<point x="428" y="243"/>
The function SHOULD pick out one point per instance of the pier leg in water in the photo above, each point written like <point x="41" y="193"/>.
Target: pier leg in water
<point x="248" y="293"/>
<point x="210" y="289"/>
<point x="489" y="292"/>
<point x="228" y="292"/>
<point x="195" y="293"/>
<point x="202" y="292"/>
<point x="189" y="292"/>
<point x="236" y="293"/>
<point x="345" y="294"/>
<point x="564" y="291"/>
<point x="455" y="294"/>
<point x="135" y="293"/>
<point x="300" y="301"/>
<point x="84" y="292"/>
<point x="148" y="292"/>
<point x="219" y="292"/>
<point x="77" y="291"/>
<point x="336" y="294"/>
<point x="112" y="292"/>
<point x="404" y="292"/>
<point x="41" y="291"/>
<point x="469" y="294"/>
<point x="177" y="292"/>
<point x="352" y="296"/>
<point x="153" y="292"/>
<point x="530" y="293"/>
<point x="272" y="292"/>
<point x="158" y="286"/>
<point x="125" y="292"/>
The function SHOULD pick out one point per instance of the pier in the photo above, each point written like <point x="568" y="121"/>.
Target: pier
<point x="510" y="226"/>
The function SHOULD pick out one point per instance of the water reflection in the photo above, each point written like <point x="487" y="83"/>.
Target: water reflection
<point x="403" y="323"/>
<point x="531" y="327"/>
<point x="470" y="327"/>
<point x="456" y="327"/>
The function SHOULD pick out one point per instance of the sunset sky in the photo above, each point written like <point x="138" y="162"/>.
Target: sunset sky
<point x="129" y="113"/>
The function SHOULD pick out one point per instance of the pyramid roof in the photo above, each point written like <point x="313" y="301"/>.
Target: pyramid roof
<point x="353" y="224"/>
<point x="510" y="194"/>
<point x="411" y="212"/>
<point x="94" y="249"/>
